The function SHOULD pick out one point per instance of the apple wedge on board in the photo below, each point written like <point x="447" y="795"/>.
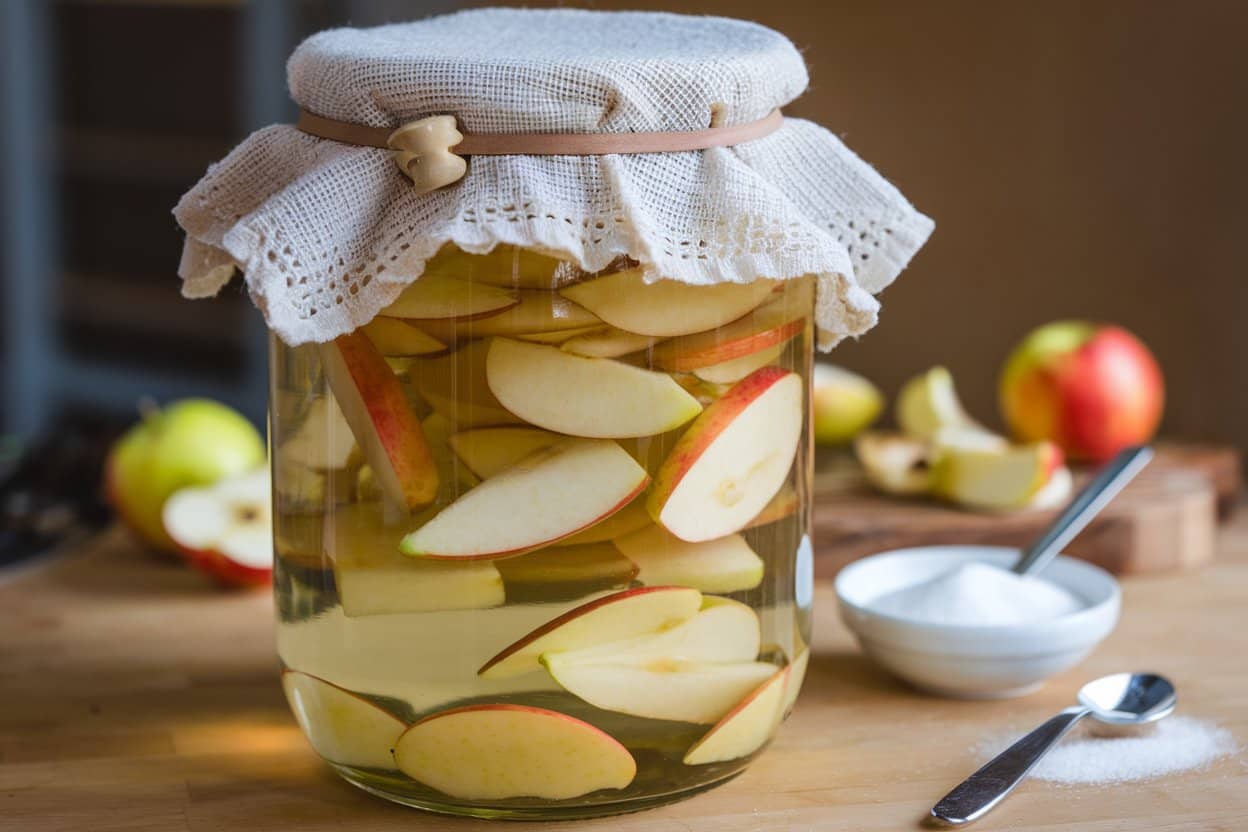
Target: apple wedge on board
<point x="385" y="426"/>
<point x="590" y="397"/>
<point x="550" y="494"/>
<point x="747" y="727"/>
<point x="732" y="460"/>
<point x="343" y="727"/>
<point x="500" y="751"/>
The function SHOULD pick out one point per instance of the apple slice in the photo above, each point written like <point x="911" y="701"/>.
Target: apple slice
<point x="783" y="505"/>
<point x="928" y="403"/>
<point x="797" y="673"/>
<point x="995" y="479"/>
<point x="723" y="631"/>
<point x="501" y="751"/>
<point x="384" y="424"/>
<point x="395" y="338"/>
<point x="735" y="369"/>
<point x="323" y="441"/>
<point x="1055" y="493"/>
<point x="487" y="451"/>
<point x="675" y="689"/>
<point x="558" y="336"/>
<point x="599" y="564"/>
<point x="628" y="519"/>
<point x="455" y="386"/>
<point x="505" y="266"/>
<point x="895" y="464"/>
<point x="622" y="615"/>
<point x="225" y="530"/>
<point x="550" y="494"/>
<point x="608" y="342"/>
<point x="536" y="312"/>
<point x="726" y="564"/>
<point x="434" y="297"/>
<point x="373" y="578"/>
<point x="343" y="727"/>
<point x="772" y="324"/>
<point x="746" y="728"/>
<point x="592" y="397"/>
<point x="732" y="460"/>
<point x="665" y="307"/>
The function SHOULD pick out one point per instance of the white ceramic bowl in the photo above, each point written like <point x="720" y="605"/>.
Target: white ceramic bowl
<point x="974" y="662"/>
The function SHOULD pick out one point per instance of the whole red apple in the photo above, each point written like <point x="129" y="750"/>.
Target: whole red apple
<point x="1093" y="389"/>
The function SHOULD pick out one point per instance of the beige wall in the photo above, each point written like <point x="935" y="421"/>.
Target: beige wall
<point x="1080" y="159"/>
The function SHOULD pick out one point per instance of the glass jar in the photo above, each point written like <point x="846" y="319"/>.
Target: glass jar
<point x="543" y="553"/>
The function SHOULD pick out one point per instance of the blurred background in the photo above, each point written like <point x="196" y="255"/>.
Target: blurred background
<point x="1081" y="159"/>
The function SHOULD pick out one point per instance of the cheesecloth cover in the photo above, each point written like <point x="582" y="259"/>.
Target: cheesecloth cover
<point x="327" y="234"/>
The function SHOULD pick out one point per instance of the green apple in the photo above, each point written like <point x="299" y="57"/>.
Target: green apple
<point x="190" y="442"/>
<point x="845" y="404"/>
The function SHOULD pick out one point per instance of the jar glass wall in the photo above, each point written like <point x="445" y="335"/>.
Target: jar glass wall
<point x="545" y="553"/>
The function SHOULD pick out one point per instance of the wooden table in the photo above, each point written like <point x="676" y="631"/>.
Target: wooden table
<point x="134" y="697"/>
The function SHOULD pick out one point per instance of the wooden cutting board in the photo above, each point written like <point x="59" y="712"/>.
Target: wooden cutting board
<point x="1164" y="521"/>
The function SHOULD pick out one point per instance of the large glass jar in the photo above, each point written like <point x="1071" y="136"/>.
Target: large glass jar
<point x="543" y="552"/>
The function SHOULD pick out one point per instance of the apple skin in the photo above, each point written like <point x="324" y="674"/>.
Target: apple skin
<point x="1093" y="389"/>
<point x="190" y="442"/>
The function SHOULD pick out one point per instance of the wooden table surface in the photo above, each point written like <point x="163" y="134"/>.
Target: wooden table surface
<point x="135" y="697"/>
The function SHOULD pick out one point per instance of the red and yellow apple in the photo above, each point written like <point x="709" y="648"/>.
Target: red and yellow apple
<point x="1092" y="389"/>
<point x="225" y="530"/>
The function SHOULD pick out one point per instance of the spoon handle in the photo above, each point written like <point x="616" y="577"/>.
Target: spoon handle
<point x="1087" y="504"/>
<point x="984" y="789"/>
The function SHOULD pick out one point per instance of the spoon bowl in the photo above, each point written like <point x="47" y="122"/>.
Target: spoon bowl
<point x="1128" y="698"/>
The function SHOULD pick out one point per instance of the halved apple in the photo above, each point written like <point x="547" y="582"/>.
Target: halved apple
<point x="373" y="578"/>
<point x="607" y="342"/>
<point x="536" y="312"/>
<point x="782" y="505"/>
<point x="385" y="426"/>
<point x="550" y="494"/>
<point x="995" y="479"/>
<point x="735" y="369"/>
<point x="487" y="451"/>
<point x="895" y="464"/>
<point x="396" y="338"/>
<point x="774" y="323"/>
<point x="225" y="530"/>
<point x="665" y="307"/>
<point x="434" y="297"/>
<point x="343" y="727"/>
<point x="592" y="397"/>
<point x="675" y="689"/>
<point x="733" y="460"/>
<point x="746" y="728"/>
<point x="726" y="564"/>
<point x="797" y="673"/>
<point x="505" y="266"/>
<point x="621" y="615"/>
<point x="454" y="385"/>
<point x="928" y="402"/>
<point x="628" y="519"/>
<point x="501" y="751"/>
<point x="597" y="564"/>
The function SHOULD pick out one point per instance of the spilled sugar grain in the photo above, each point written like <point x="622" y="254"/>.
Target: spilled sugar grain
<point x="1179" y="743"/>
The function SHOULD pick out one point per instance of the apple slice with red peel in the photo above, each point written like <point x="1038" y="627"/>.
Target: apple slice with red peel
<point x="665" y="307"/>
<point x="732" y="460"/>
<point x="502" y="751"/>
<point x="434" y="297"/>
<point x="628" y="519"/>
<point x="783" y="505"/>
<point x="536" y="312"/>
<point x="675" y="689"/>
<point x="396" y="338"/>
<point x="772" y="324"/>
<point x="343" y="727"/>
<point x="995" y="479"/>
<point x="592" y="397"/>
<point x="455" y="386"/>
<point x="385" y="426"/>
<point x="894" y="463"/>
<point x="797" y="672"/>
<point x="487" y="451"/>
<point x="550" y="494"/>
<point x="598" y="564"/>
<point x="608" y="342"/>
<point x="735" y="369"/>
<point x="726" y="564"/>
<point x="225" y="530"/>
<point x="621" y="615"/>
<point x="746" y="728"/>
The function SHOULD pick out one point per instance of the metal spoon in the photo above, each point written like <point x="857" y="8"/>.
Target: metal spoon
<point x="1086" y="505"/>
<point x="1119" y="699"/>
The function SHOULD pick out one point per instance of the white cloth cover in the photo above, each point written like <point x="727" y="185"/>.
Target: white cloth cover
<point x="327" y="234"/>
